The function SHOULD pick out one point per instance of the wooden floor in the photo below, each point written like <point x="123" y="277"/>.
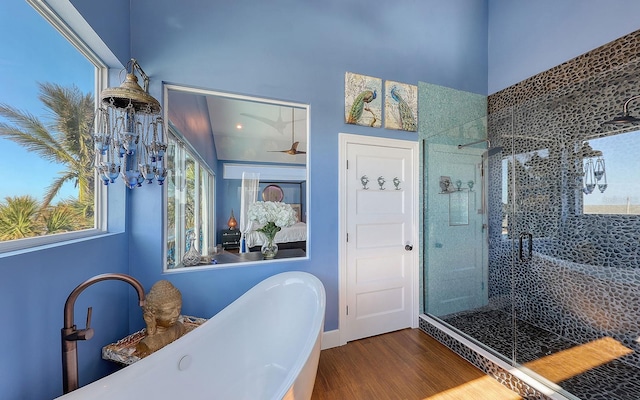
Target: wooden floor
<point x="402" y="365"/>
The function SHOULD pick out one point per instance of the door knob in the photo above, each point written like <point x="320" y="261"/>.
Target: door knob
<point x="408" y="247"/>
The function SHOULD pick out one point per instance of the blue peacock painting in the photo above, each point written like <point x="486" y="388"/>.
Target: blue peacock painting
<point x="401" y="106"/>
<point x="407" y="120"/>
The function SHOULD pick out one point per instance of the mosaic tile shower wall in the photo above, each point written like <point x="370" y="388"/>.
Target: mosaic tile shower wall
<point x="583" y="281"/>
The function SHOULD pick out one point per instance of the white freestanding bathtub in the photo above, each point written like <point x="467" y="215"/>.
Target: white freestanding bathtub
<point x="265" y="345"/>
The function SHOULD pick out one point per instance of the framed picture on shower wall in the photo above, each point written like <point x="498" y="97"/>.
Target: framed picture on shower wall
<point x="400" y="106"/>
<point x="362" y="100"/>
<point x="459" y="208"/>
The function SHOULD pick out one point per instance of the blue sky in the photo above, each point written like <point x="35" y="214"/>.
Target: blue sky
<point x="41" y="54"/>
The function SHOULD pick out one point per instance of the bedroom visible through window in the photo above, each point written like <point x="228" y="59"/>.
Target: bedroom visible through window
<point x="46" y="108"/>
<point x="190" y="203"/>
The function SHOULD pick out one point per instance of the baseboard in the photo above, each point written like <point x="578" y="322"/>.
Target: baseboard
<point x="330" y="339"/>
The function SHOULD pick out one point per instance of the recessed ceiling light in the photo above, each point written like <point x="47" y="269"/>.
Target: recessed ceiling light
<point x="239" y="126"/>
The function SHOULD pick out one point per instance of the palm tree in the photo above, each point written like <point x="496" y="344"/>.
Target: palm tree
<point x="65" y="217"/>
<point x="18" y="217"/>
<point x="66" y="139"/>
<point x="22" y="217"/>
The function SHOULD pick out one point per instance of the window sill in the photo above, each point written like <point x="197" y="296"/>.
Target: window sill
<point x="20" y="246"/>
<point x="235" y="260"/>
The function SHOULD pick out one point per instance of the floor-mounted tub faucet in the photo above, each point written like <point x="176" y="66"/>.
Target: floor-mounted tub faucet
<point x="70" y="334"/>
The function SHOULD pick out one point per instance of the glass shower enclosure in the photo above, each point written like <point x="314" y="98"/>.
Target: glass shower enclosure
<point x="531" y="240"/>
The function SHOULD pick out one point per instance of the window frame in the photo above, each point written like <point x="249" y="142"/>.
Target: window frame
<point x="100" y="194"/>
<point x="207" y="221"/>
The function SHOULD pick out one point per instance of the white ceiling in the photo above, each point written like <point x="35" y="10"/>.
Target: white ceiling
<point x="267" y="129"/>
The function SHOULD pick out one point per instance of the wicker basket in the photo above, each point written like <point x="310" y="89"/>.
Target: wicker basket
<point x="121" y="351"/>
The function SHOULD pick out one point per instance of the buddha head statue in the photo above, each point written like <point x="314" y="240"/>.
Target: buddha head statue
<point x="162" y="307"/>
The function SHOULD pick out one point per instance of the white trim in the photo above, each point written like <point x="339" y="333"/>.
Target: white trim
<point x="305" y="177"/>
<point x="209" y="92"/>
<point x="267" y="172"/>
<point x="330" y="339"/>
<point x="21" y="246"/>
<point x="182" y="151"/>
<point x="345" y="139"/>
<point x="61" y="13"/>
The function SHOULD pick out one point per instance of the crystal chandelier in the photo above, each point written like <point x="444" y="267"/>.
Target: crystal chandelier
<point x="129" y="134"/>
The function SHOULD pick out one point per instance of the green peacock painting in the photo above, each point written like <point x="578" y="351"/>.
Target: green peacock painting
<point x="360" y="104"/>
<point x="363" y="106"/>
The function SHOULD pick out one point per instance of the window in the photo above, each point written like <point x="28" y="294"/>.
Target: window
<point x="615" y="185"/>
<point x="190" y="205"/>
<point x="46" y="109"/>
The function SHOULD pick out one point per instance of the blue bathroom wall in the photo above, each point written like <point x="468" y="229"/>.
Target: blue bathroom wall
<point x="295" y="51"/>
<point x="529" y="37"/>
<point x="35" y="283"/>
<point x="33" y="289"/>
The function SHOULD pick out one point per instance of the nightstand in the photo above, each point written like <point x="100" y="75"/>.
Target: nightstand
<point x="231" y="239"/>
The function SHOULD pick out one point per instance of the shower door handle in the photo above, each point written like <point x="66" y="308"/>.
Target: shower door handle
<point x="521" y="254"/>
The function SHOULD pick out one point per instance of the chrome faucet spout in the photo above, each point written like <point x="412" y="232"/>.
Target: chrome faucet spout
<point x="70" y="334"/>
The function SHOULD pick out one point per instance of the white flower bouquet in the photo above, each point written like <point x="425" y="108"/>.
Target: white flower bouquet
<point x="272" y="215"/>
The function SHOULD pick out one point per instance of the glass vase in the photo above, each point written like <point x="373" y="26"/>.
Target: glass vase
<point x="269" y="248"/>
<point x="192" y="256"/>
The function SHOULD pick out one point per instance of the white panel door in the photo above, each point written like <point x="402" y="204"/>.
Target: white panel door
<point x="456" y="270"/>
<point x="380" y="254"/>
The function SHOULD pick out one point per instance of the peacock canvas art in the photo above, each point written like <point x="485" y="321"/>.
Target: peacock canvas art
<point x="362" y="100"/>
<point x="400" y="106"/>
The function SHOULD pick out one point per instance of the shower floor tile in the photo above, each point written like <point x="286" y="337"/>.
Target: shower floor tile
<point x="614" y="380"/>
<point x="495" y="329"/>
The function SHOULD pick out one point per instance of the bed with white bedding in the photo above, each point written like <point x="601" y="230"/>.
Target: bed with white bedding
<point x="294" y="236"/>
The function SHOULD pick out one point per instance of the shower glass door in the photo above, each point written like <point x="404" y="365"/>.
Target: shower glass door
<point x="457" y="277"/>
<point x="457" y="230"/>
<point x="573" y="226"/>
<point x="538" y="175"/>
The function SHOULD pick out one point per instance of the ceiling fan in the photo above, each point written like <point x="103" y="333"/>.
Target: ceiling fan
<point x="279" y="125"/>
<point x="292" y="151"/>
<point x="294" y="145"/>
